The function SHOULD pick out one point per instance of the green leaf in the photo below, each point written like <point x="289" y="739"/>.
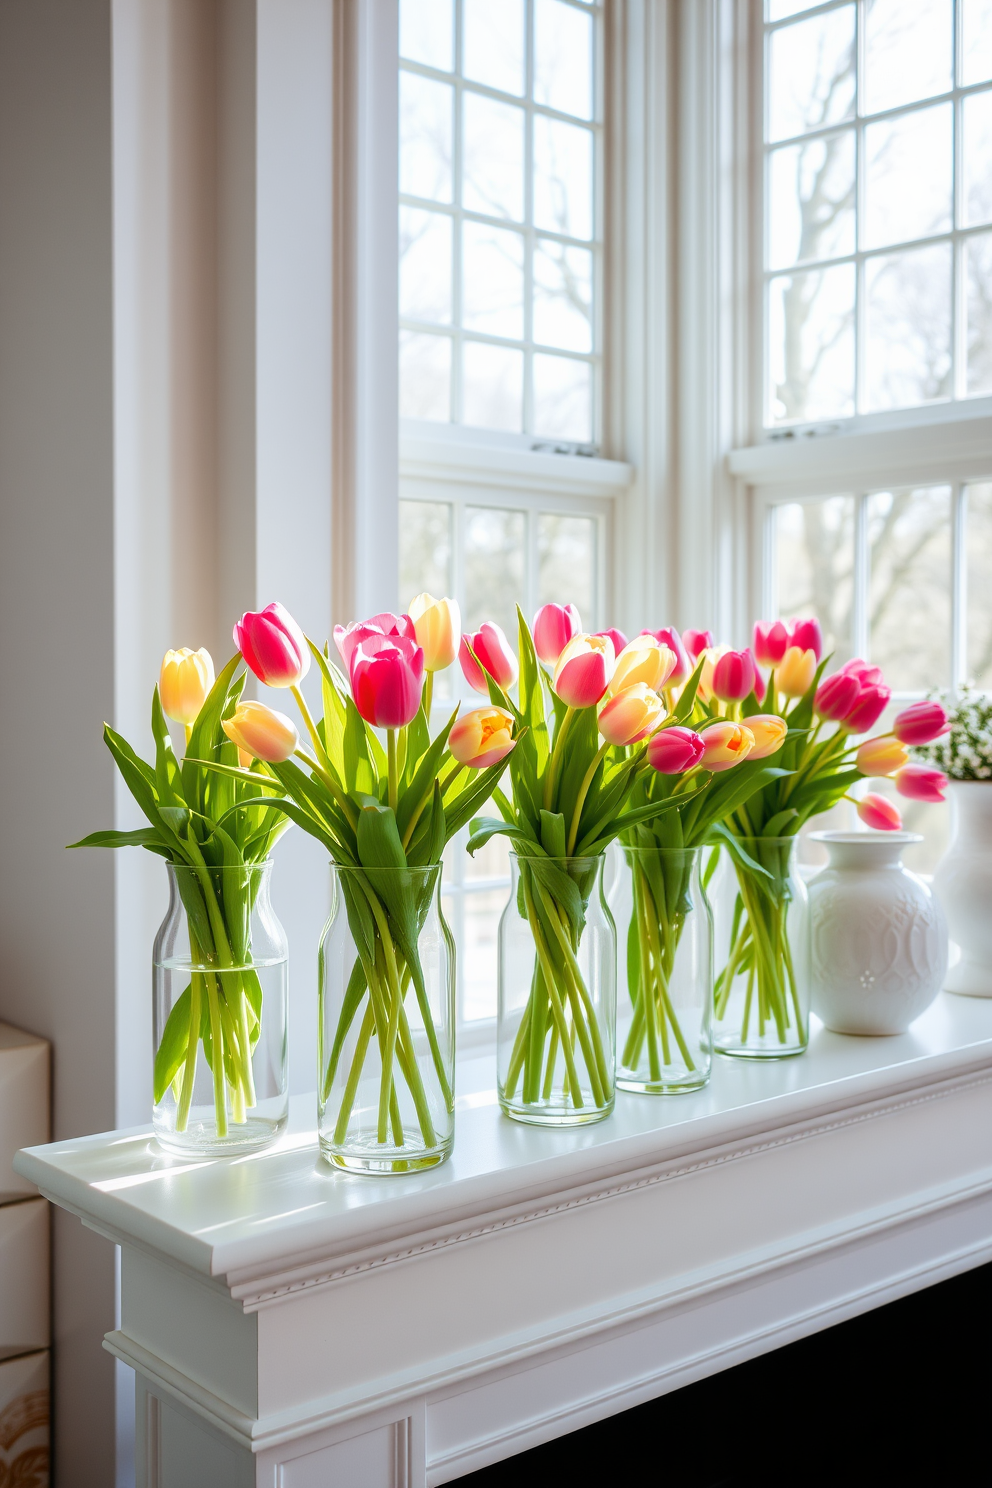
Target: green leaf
<point x="168" y="779"/>
<point x="171" y="1051"/>
<point x="204" y="734"/>
<point x="359" y="774"/>
<point x="485" y="827"/>
<point x="553" y="838"/>
<point x="687" y="697"/>
<point x="142" y="837"/>
<point x="426" y="771"/>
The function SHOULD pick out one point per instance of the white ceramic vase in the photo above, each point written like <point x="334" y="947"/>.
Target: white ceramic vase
<point x="963" y="882"/>
<point x="878" y="935"/>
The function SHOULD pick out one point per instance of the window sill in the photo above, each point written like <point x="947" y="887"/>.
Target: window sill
<point x="539" y="1280"/>
<point x="448" y="456"/>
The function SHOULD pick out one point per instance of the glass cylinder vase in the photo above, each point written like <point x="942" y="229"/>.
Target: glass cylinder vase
<point x="386" y="1022"/>
<point x="762" y="990"/>
<point x="221" y="1000"/>
<point x="664" y="1035"/>
<point x="556" y="1027"/>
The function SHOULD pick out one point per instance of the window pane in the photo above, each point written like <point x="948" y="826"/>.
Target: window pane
<point x="493" y="860"/>
<point x="425" y="376"/>
<point x="494" y="567"/>
<point x="425" y="549"/>
<point x="979" y="661"/>
<point x="562" y="296"/>
<point x="493" y="280"/>
<point x="977" y="49"/>
<point x="811" y="73"/>
<point x="814" y="566"/>
<point x="811" y="350"/>
<point x="563" y="58"/>
<point x="909" y="173"/>
<point x="908" y="51"/>
<point x="979" y="257"/>
<point x="562" y="178"/>
<point x="978" y="158"/>
<point x="494" y="158"/>
<point x="425" y="265"/>
<point x="425" y="137"/>
<point x="908" y="353"/>
<point x="481" y="913"/>
<point x="492" y="386"/>
<point x="811" y="209"/>
<point x="494" y="43"/>
<point x="566" y="552"/>
<point x="777" y="10"/>
<point x="909" y="536"/>
<point x="427" y="32"/>
<point x="562" y="398"/>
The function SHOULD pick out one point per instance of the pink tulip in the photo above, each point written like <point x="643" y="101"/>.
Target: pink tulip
<point x="675" y="750"/>
<point x="867" y="675"/>
<point x="759" y="682"/>
<point x="696" y="641"/>
<point x="669" y="636"/>
<point x="554" y="626"/>
<point x="921" y="723"/>
<point x="878" y="812"/>
<point x="273" y="645"/>
<point x="348" y="637"/>
<point x="807" y="636"/>
<point x="617" y="637"/>
<point x="868" y="709"/>
<point x="921" y="783"/>
<point x="387" y="679"/>
<point x="492" y="655"/>
<point x="584" y="670"/>
<point x="733" y="676"/>
<point x="836" y="696"/>
<point x="771" y="641"/>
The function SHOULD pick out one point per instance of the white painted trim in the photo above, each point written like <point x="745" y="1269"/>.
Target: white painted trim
<point x="529" y="471"/>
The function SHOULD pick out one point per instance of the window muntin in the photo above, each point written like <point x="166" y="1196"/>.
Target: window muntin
<point x="878" y="199"/>
<point x="500" y="238"/>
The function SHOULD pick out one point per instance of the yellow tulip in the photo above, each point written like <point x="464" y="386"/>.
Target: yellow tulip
<point x="725" y="744"/>
<point x="184" y="683"/>
<point x="262" y="732"/>
<point x="795" y="672"/>
<point x="482" y="737"/>
<point x="644" y="660"/>
<point x="709" y="657"/>
<point x="881" y="756"/>
<point x="631" y="715"/>
<point x="769" y="732"/>
<point x="438" y="624"/>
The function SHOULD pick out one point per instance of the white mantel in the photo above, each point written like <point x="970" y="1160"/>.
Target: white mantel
<point x="293" y="1326"/>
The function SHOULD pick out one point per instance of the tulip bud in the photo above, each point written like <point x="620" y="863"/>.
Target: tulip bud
<point x="554" y="626"/>
<point x="871" y="704"/>
<point x="631" y="715"/>
<point x="669" y="636"/>
<point x="348" y="638"/>
<point x="921" y="783"/>
<point x="759" y="682"/>
<point x="617" y="637"/>
<point x="583" y="670"/>
<point x="725" y="744"/>
<point x="274" y="646"/>
<point x="697" y="641"/>
<point x="880" y="756"/>
<point x="921" y="723"/>
<point x="795" y="672"/>
<point x="807" y="636"/>
<point x="867" y="675"/>
<point x="184" y="683"/>
<point x="492" y="655"/>
<point x="437" y="625"/>
<point x="771" y="641"/>
<point x="878" y="812"/>
<point x="733" y="676"/>
<point x="675" y="750"/>
<point x="836" y="696"/>
<point x="261" y="732"/>
<point x="642" y="660"/>
<point x="387" y="679"/>
<point x="482" y="737"/>
<point x="709" y="657"/>
<point x="769" y="731"/>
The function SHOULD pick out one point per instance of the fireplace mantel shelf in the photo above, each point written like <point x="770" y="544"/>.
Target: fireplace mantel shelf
<point x="306" y="1326"/>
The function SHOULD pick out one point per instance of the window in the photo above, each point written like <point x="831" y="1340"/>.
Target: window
<point x="500" y="251"/>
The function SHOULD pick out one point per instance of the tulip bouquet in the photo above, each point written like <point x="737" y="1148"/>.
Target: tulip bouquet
<point x="816" y="770"/>
<point x="384" y="809"/>
<point x="216" y="833"/>
<point x="583" y="721"/>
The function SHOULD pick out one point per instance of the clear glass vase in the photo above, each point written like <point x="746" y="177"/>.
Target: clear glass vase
<point x="221" y="1001"/>
<point x="664" y="1037"/>
<point x="762" y="989"/>
<point x="556" y="1027"/>
<point x="386" y="1022"/>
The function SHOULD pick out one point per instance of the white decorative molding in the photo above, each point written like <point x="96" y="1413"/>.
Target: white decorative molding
<point x="461" y="462"/>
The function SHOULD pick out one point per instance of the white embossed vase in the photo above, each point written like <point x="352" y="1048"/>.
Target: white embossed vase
<point x="963" y="882"/>
<point x="878" y="937"/>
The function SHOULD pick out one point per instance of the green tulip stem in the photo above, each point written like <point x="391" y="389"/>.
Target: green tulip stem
<point x="580" y="799"/>
<point x="551" y="778"/>
<point x="391" y="750"/>
<point x="428" y="697"/>
<point x="312" y="729"/>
